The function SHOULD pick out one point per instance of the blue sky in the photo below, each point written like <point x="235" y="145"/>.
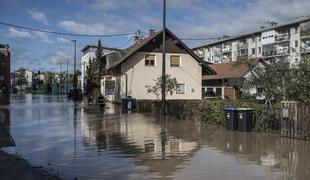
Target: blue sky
<point x="186" y="18"/>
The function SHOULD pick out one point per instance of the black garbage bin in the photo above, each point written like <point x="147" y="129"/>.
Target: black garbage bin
<point x="245" y="119"/>
<point x="128" y="104"/>
<point x="231" y="119"/>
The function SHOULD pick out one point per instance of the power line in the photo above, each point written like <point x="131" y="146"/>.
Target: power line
<point x="124" y="44"/>
<point x="66" y="34"/>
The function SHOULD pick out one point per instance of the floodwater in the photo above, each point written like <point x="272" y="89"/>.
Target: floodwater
<point x="78" y="141"/>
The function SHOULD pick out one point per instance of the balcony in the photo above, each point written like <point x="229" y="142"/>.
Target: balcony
<point x="305" y="33"/>
<point x="226" y="49"/>
<point x="305" y="49"/>
<point x="278" y="52"/>
<point x="282" y="38"/>
<point x="242" y="46"/>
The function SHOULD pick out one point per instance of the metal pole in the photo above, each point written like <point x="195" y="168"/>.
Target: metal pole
<point x="67" y="76"/>
<point x="74" y="76"/>
<point x="84" y="84"/>
<point x="163" y="92"/>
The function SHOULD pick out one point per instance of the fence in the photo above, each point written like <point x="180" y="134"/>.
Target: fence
<point x="295" y="120"/>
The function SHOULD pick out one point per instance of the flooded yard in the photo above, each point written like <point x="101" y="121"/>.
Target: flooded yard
<point x="79" y="141"/>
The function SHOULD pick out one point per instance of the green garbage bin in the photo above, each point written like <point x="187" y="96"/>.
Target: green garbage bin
<point x="245" y="119"/>
<point x="231" y="119"/>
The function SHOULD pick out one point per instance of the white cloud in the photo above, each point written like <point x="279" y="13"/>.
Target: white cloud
<point x="38" y="16"/>
<point x="58" y="57"/>
<point x="15" y="34"/>
<point x="63" y="40"/>
<point x="43" y="37"/>
<point x="109" y="27"/>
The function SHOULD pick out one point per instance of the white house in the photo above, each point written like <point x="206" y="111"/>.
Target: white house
<point x="142" y="65"/>
<point x="88" y="54"/>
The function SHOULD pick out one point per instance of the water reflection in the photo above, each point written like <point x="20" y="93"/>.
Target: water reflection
<point x="5" y="121"/>
<point x="85" y="142"/>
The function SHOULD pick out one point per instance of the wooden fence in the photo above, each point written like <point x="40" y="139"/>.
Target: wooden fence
<point x="295" y="119"/>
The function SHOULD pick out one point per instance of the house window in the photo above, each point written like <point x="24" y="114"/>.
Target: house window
<point x="253" y="51"/>
<point x="149" y="60"/>
<point x="259" y="50"/>
<point x="296" y="30"/>
<point x="218" y="92"/>
<point x="259" y="90"/>
<point x="180" y="88"/>
<point x="175" y="61"/>
<point x="296" y="43"/>
<point x="109" y="87"/>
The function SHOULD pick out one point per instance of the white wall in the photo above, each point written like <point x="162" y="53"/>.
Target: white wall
<point x="139" y="76"/>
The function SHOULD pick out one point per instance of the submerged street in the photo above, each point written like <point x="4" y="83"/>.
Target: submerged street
<point x="84" y="142"/>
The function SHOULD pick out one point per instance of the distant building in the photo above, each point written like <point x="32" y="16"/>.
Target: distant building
<point x="142" y="65"/>
<point x="5" y="82"/>
<point x="288" y="41"/>
<point x="27" y="74"/>
<point x="89" y="54"/>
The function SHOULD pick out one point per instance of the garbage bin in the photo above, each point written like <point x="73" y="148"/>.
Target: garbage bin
<point x="128" y="104"/>
<point x="245" y="119"/>
<point x="231" y="119"/>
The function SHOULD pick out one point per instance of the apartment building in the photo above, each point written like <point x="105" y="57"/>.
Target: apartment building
<point x="287" y="41"/>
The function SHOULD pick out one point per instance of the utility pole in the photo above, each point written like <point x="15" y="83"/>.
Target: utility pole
<point x="163" y="90"/>
<point x="74" y="76"/>
<point x="67" y="76"/>
<point x="84" y="69"/>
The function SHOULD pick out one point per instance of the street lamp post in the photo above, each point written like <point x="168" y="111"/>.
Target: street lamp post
<point x="74" y="76"/>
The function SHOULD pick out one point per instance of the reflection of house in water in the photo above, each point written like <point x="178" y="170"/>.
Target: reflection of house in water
<point x="141" y="137"/>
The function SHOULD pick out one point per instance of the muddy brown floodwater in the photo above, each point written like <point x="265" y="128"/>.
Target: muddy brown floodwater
<point x="78" y="141"/>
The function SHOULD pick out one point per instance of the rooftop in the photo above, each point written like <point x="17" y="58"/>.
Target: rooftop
<point x="254" y="32"/>
<point x="234" y="69"/>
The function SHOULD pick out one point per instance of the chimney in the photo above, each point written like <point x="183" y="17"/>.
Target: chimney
<point x="137" y="39"/>
<point x="151" y="32"/>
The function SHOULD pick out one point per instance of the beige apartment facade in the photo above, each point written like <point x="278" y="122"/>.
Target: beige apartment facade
<point x="142" y="65"/>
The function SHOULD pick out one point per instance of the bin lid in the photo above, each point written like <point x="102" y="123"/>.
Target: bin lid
<point x="230" y="109"/>
<point x="245" y="109"/>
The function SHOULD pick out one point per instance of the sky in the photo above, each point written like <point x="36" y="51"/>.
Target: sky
<point x="186" y="18"/>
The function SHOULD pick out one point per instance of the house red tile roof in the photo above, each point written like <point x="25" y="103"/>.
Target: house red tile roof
<point x="234" y="69"/>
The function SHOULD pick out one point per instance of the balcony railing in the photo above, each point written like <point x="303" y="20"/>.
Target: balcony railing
<point x="282" y="37"/>
<point x="305" y="49"/>
<point x="305" y="32"/>
<point x="276" y="52"/>
<point x="242" y="46"/>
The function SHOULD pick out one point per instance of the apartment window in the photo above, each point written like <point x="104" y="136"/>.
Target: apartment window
<point x="259" y="50"/>
<point x="175" y="61"/>
<point x="296" y="43"/>
<point x="296" y="60"/>
<point x="296" y="30"/>
<point x="149" y="60"/>
<point x="180" y="88"/>
<point x="253" y="39"/>
<point x="253" y="51"/>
